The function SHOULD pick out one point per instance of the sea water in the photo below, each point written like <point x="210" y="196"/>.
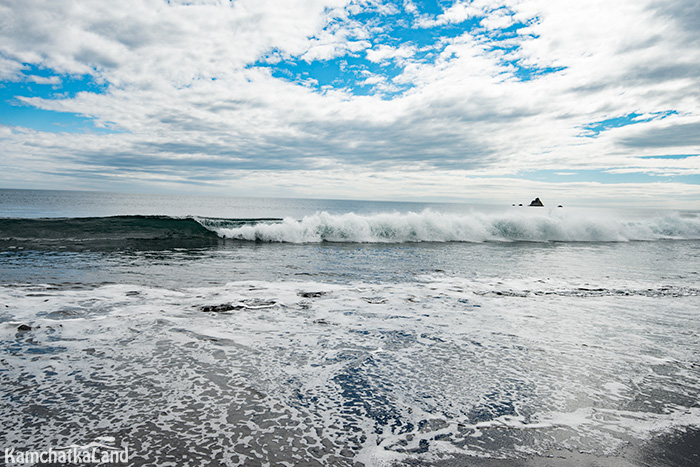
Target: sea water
<point x="232" y="331"/>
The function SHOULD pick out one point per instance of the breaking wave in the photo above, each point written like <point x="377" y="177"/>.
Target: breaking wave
<point x="425" y="226"/>
<point x="429" y="226"/>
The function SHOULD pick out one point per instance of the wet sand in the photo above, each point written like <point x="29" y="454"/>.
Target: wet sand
<point x="680" y="448"/>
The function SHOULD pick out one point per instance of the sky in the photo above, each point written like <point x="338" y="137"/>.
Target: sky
<point x="499" y="101"/>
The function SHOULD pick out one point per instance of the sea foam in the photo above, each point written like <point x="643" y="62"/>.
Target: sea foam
<point x="351" y="373"/>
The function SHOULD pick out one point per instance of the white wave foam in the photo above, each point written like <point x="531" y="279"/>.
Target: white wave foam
<point x="429" y="226"/>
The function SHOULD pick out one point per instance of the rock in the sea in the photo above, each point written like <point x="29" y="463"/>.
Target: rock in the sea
<point x="220" y="308"/>
<point x="536" y="202"/>
<point x="311" y="294"/>
<point x="24" y="328"/>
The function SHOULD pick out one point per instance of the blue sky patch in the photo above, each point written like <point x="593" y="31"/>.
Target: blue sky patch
<point x="48" y="120"/>
<point x="594" y="129"/>
<point x="45" y="84"/>
<point x="348" y="73"/>
<point x="671" y="156"/>
<point x="523" y="73"/>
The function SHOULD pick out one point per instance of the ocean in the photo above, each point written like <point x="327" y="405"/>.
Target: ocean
<point x="249" y="331"/>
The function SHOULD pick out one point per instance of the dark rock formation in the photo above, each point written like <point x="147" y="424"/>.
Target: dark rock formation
<point x="536" y="202"/>
<point x="220" y="308"/>
<point x="311" y="294"/>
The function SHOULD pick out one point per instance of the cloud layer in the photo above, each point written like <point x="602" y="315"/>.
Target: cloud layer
<point x="360" y="99"/>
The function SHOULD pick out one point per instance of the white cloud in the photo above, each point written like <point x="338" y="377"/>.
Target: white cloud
<point x="10" y="70"/>
<point x="55" y="80"/>
<point x="457" y="13"/>
<point x="383" y="52"/>
<point x="410" y="7"/>
<point x="135" y="41"/>
<point x="498" y="19"/>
